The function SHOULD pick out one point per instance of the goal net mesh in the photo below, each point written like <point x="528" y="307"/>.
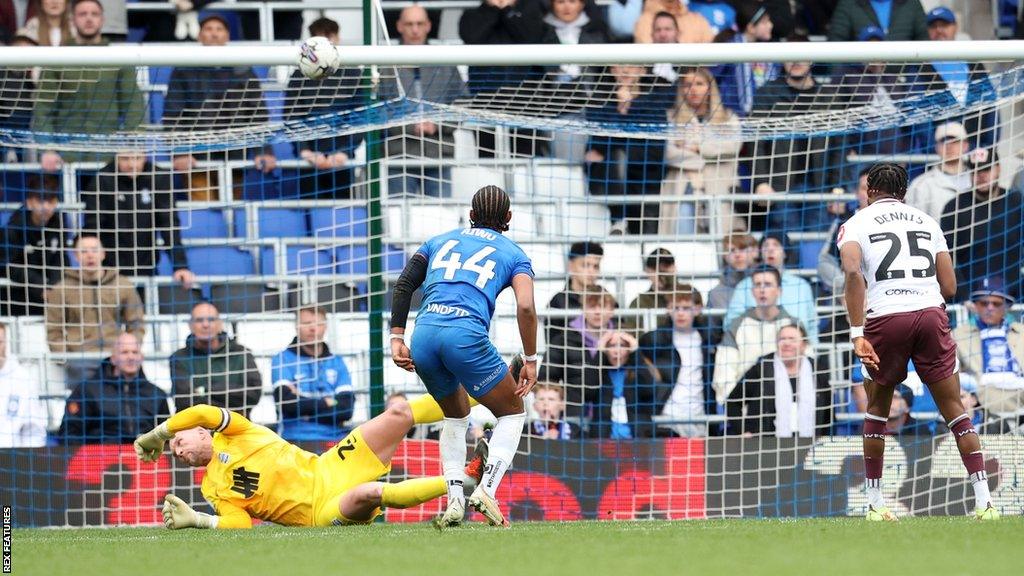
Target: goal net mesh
<point x="228" y="219"/>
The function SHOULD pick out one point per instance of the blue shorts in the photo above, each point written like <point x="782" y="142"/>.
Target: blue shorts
<point x="447" y="356"/>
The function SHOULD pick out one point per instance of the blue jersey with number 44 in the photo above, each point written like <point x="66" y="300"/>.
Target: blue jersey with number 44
<point x="466" y="270"/>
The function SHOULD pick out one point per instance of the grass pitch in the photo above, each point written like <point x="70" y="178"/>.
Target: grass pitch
<point x="946" y="546"/>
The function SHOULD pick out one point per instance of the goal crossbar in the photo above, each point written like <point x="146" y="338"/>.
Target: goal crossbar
<point x="526" y="54"/>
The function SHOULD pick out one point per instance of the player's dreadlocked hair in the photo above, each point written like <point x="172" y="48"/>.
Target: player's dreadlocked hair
<point x="490" y="206"/>
<point x="888" y="178"/>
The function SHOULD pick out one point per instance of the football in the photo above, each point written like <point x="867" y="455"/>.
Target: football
<point x="318" y="58"/>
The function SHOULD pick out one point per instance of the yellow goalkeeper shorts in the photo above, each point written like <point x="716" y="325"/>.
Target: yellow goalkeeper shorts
<point x="347" y="465"/>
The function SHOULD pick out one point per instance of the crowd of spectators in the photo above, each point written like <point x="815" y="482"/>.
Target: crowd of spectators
<point x="604" y="375"/>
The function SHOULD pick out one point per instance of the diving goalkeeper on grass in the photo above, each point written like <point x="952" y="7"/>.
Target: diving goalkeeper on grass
<point x="251" y="472"/>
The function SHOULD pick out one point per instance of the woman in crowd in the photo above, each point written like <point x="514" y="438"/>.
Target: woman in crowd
<point x="52" y="24"/>
<point x="704" y="159"/>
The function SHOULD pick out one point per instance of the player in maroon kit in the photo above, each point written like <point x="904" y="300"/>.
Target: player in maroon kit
<point x="899" y="273"/>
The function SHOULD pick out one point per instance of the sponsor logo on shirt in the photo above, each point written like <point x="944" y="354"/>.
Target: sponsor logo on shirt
<point x="902" y="292"/>
<point x="446" y="310"/>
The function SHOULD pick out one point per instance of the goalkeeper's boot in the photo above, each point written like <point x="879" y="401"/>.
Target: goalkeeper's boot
<point x="882" y="514"/>
<point x="475" y="469"/>
<point x="988" y="513"/>
<point x="488" y="506"/>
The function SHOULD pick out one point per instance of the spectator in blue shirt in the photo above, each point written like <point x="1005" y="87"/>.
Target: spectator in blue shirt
<point x="312" y="386"/>
<point x="739" y="82"/>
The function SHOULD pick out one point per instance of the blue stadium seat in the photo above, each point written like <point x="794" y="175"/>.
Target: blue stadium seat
<point x="202" y="223"/>
<point x="348" y="222"/>
<point x="220" y="260"/>
<point x="355" y="259"/>
<point x="274" y="223"/>
<point x="5" y="217"/>
<point x="351" y="260"/>
<point x="300" y="260"/>
<point x="809" y="250"/>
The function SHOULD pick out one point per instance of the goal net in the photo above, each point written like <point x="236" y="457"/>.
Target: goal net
<point x="244" y="227"/>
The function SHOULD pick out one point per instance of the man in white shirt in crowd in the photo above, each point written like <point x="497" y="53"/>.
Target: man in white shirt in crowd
<point x="931" y="191"/>
<point x="23" y="424"/>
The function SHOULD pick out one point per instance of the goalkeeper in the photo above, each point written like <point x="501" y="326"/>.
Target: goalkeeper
<point x="251" y="472"/>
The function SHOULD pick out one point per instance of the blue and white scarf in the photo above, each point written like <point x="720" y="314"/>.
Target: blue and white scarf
<point x="998" y="366"/>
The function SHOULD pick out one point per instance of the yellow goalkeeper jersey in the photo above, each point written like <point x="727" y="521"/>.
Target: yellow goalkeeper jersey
<point x="254" y="473"/>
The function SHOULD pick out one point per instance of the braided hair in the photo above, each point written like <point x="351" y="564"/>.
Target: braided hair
<point x="490" y="208"/>
<point x="888" y="178"/>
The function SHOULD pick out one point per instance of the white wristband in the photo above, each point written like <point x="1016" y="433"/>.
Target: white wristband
<point x="531" y="358"/>
<point x="856" y="332"/>
<point x="398" y="337"/>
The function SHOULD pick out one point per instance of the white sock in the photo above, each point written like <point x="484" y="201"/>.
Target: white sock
<point x="503" y="445"/>
<point x="875" y="498"/>
<point x="982" y="498"/>
<point x="453" y="456"/>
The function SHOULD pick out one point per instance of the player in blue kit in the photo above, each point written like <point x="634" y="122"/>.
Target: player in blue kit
<point x="462" y="272"/>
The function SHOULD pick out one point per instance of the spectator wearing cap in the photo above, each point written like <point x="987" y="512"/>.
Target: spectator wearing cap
<point x="897" y="19"/>
<point x="738" y="83"/>
<point x="104" y="100"/>
<point x="740" y="255"/>
<point x="692" y="26"/>
<point x="991" y="347"/>
<point x="33" y="251"/>
<point x="984" y="227"/>
<point x="584" y="267"/>
<point x="660" y="269"/>
<point x="941" y="183"/>
<point x="963" y="83"/>
<point x="720" y="15"/>
<point x="797" y="298"/>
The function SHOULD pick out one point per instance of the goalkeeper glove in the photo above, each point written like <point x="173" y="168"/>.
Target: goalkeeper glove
<point x="150" y="445"/>
<point x="178" y="515"/>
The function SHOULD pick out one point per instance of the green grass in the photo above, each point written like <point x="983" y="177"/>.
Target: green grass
<point x="940" y="546"/>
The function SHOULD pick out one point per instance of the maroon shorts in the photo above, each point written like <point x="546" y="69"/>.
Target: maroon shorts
<point x="922" y="336"/>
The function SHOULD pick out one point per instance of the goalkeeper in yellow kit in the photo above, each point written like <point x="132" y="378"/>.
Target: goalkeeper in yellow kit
<point x="251" y="472"/>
